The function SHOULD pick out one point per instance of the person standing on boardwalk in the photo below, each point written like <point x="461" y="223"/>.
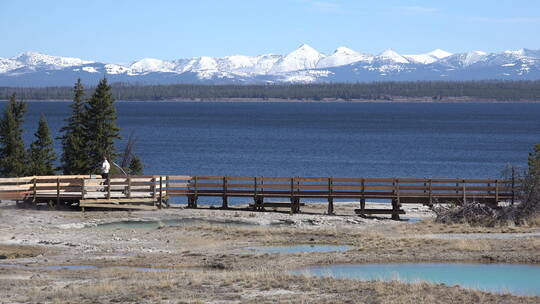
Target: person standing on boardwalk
<point x="105" y="168"/>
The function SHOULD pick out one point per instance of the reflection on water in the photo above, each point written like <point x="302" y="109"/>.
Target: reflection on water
<point x="499" y="278"/>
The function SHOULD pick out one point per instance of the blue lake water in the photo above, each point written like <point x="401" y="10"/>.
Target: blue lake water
<point x="498" y="278"/>
<point x="321" y="139"/>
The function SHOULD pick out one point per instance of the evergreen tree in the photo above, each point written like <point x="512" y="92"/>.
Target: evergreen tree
<point x="13" y="157"/>
<point x="41" y="151"/>
<point x="75" y="158"/>
<point x="534" y="162"/>
<point x="135" y="166"/>
<point x="99" y="123"/>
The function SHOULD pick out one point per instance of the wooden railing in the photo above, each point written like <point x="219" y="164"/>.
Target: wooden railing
<point x="85" y="189"/>
<point x="306" y="187"/>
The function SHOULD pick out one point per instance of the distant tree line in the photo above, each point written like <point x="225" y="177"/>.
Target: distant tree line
<point x="87" y="137"/>
<point x="436" y="90"/>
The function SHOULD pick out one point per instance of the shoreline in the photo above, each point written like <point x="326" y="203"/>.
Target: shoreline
<point x="328" y="100"/>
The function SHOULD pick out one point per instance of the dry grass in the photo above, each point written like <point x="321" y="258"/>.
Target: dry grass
<point x="471" y="245"/>
<point x="533" y="221"/>
<point x="430" y="226"/>
<point x="20" y="251"/>
<point x="260" y="286"/>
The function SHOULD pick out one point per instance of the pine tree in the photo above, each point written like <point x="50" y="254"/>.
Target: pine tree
<point x="13" y="157"/>
<point x="135" y="166"/>
<point x="534" y="162"/>
<point x="41" y="151"/>
<point x="75" y="158"/>
<point x="99" y="124"/>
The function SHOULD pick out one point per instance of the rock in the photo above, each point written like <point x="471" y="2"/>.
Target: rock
<point x="219" y="266"/>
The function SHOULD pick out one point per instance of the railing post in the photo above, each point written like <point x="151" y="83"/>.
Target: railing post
<point x="154" y="188"/>
<point x="83" y="188"/>
<point x="108" y="188"/>
<point x="294" y="207"/>
<point x="57" y="192"/>
<point x="35" y="190"/>
<point x="261" y="198"/>
<point x="129" y="186"/>
<point x="496" y="192"/>
<point x="430" y="192"/>
<point x="330" y="196"/>
<point x="225" y="203"/>
<point x="513" y="185"/>
<point x="396" y="189"/>
<point x="464" y="192"/>
<point x="166" y="192"/>
<point x="363" y="193"/>
<point x="395" y="201"/>
<point x="160" y="191"/>
<point x="255" y="202"/>
<point x="192" y="199"/>
<point x="195" y="184"/>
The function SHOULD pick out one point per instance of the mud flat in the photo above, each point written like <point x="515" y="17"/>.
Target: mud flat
<point x="203" y="255"/>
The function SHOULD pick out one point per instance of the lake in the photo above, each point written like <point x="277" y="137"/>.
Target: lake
<point x="517" y="279"/>
<point x="321" y="139"/>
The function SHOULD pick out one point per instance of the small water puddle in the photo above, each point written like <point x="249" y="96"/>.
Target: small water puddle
<point x="414" y="219"/>
<point x="141" y="224"/>
<point x="299" y="248"/>
<point x="523" y="280"/>
<point x="62" y="267"/>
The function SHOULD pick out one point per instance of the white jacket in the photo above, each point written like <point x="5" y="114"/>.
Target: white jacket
<point x="105" y="167"/>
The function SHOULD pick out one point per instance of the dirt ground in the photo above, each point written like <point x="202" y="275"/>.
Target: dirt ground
<point x="204" y="256"/>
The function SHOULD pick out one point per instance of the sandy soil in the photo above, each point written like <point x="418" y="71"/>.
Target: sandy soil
<point x="207" y="260"/>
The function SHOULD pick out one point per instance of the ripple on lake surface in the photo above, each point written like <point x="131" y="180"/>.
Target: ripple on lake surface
<point x="521" y="280"/>
<point x="300" y="248"/>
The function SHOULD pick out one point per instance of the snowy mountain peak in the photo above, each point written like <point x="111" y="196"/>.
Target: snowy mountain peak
<point x="305" y="57"/>
<point x="306" y="48"/>
<point x="38" y="59"/>
<point x="343" y="56"/>
<point x="345" y="50"/>
<point x="439" y="54"/>
<point x="305" y="51"/>
<point x="147" y="65"/>
<point x="478" y="53"/>
<point x="304" y="64"/>
<point x="430" y="57"/>
<point x="473" y="57"/>
<point x="520" y="52"/>
<point x="393" y="56"/>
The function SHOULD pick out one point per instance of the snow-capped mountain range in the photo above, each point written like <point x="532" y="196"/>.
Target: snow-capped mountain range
<point x="304" y="65"/>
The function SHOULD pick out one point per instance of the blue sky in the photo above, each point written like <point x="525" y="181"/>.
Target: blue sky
<point x="121" y="31"/>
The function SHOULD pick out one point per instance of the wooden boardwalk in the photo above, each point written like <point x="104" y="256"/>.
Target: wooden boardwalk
<point x="153" y="192"/>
